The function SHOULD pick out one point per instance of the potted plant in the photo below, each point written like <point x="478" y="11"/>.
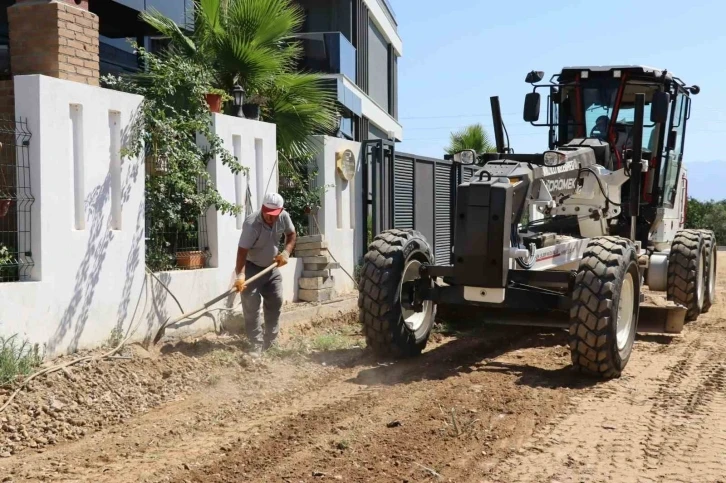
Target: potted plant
<point x="215" y="98"/>
<point x="192" y="259"/>
<point x="187" y="237"/>
<point x="251" y="107"/>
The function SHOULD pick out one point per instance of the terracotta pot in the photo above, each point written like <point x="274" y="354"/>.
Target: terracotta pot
<point x="5" y="206"/>
<point x="214" y="101"/>
<point x="192" y="259"/>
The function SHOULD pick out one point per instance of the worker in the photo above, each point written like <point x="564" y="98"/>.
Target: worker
<point x="601" y="128"/>
<point x="258" y="249"/>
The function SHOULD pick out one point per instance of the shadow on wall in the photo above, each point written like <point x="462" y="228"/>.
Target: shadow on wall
<point x="140" y="310"/>
<point x="100" y="236"/>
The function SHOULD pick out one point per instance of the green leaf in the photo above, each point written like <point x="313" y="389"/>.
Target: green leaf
<point x="471" y="137"/>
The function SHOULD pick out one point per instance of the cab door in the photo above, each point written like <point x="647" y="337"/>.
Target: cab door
<point x="673" y="155"/>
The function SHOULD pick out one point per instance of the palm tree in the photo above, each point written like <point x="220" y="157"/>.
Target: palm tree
<point x="471" y="137"/>
<point x="251" y="43"/>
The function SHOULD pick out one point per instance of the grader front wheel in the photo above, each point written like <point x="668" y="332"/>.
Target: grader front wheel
<point x="605" y="307"/>
<point x="394" y="257"/>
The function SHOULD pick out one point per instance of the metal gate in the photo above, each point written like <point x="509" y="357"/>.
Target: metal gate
<point x="407" y="191"/>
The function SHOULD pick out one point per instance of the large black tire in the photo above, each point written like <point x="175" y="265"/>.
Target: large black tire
<point x="686" y="272"/>
<point x="607" y="281"/>
<point x="711" y="269"/>
<point x="379" y="298"/>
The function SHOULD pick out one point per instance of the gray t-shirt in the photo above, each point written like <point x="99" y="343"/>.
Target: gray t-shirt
<point x="262" y="239"/>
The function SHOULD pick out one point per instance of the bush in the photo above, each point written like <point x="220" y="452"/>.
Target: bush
<point x="710" y="215"/>
<point x="173" y="113"/>
<point x="17" y="359"/>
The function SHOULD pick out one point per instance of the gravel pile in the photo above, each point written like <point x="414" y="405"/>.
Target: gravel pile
<point x="69" y="404"/>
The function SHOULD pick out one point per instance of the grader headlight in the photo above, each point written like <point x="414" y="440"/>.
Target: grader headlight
<point x="553" y="158"/>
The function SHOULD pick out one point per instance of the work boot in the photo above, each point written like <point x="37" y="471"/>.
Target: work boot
<point x="269" y="345"/>
<point x="256" y="351"/>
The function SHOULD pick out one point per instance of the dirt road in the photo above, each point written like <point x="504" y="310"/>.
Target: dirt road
<point x="481" y="405"/>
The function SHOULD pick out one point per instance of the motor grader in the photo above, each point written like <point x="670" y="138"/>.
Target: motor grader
<point x="569" y="237"/>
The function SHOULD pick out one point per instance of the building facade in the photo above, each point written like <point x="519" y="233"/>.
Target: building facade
<point x="354" y="43"/>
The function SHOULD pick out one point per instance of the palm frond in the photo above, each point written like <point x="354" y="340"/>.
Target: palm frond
<point x="471" y="137"/>
<point x="252" y="43"/>
<point x="300" y="105"/>
<point x="168" y="28"/>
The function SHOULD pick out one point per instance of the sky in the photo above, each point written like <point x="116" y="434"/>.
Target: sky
<point x="458" y="53"/>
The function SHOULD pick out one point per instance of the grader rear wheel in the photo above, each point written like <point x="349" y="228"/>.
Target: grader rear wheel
<point x="687" y="270"/>
<point x="394" y="257"/>
<point x="711" y="269"/>
<point x="605" y="307"/>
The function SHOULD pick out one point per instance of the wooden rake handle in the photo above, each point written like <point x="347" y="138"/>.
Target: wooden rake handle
<point x="209" y="303"/>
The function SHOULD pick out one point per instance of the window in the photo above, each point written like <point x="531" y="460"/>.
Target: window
<point x="378" y="83"/>
<point x="671" y="165"/>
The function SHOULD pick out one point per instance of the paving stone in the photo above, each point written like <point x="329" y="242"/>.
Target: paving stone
<point x="317" y="259"/>
<point x="316" y="283"/>
<point x="311" y="246"/>
<point x="316" y="252"/>
<point x="315" y="273"/>
<point x="316" y="295"/>
<point x="319" y="266"/>
<point x="309" y="239"/>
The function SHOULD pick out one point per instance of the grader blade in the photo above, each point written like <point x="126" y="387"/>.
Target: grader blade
<point x="667" y="319"/>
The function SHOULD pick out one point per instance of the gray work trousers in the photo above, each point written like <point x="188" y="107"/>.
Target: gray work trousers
<point x="269" y="289"/>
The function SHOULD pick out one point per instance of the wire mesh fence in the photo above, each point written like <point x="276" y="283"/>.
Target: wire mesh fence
<point x="16" y="201"/>
<point x="312" y="227"/>
<point x="178" y="246"/>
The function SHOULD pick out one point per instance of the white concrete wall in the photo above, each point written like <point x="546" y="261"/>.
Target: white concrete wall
<point x="88" y="236"/>
<point x="89" y="265"/>
<point x="339" y="217"/>
<point x="254" y="144"/>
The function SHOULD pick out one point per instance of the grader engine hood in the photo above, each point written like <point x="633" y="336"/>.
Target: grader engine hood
<point x="563" y="176"/>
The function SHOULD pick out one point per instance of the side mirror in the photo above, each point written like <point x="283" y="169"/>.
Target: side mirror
<point x="466" y="157"/>
<point x="534" y="76"/>
<point x="531" y="107"/>
<point x="660" y="106"/>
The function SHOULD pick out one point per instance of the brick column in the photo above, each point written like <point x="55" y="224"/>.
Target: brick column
<point x="57" y="38"/>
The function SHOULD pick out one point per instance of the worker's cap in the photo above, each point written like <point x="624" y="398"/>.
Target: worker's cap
<point x="272" y="204"/>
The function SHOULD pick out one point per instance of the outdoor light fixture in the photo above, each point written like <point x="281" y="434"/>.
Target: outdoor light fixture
<point x="239" y="96"/>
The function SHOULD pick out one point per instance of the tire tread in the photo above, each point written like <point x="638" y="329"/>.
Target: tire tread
<point x="683" y="270"/>
<point x="379" y="312"/>
<point x="600" y="272"/>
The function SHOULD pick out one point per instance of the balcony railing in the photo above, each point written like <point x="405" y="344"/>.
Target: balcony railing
<point x="329" y="53"/>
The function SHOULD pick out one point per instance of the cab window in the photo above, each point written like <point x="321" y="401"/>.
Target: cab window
<point x="670" y="167"/>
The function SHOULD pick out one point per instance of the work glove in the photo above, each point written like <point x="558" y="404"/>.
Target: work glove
<point x="239" y="284"/>
<point x="282" y="258"/>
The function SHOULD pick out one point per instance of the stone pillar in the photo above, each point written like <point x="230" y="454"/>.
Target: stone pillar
<point x="57" y="38"/>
